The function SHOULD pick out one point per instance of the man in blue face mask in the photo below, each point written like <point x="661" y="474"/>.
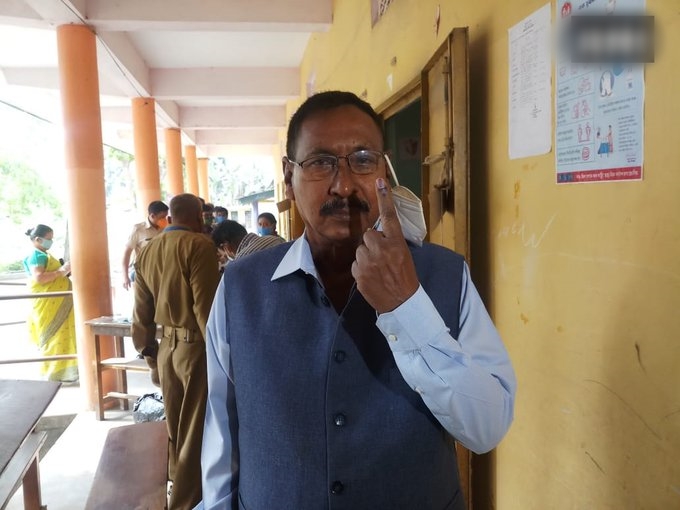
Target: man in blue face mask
<point x="219" y="214"/>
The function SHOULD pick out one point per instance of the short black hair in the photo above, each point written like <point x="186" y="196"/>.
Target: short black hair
<point x="228" y="231"/>
<point x="218" y="209"/>
<point x="157" y="207"/>
<point x="269" y="217"/>
<point x="325" y="101"/>
<point x="39" y="230"/>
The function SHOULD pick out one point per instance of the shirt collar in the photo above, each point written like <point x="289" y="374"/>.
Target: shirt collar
<point x="298" y="257"/>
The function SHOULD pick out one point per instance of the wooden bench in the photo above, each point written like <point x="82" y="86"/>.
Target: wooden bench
<point x="23" y="403"/>
<point x="23" y="469"/>
<point x="132" y="471"/>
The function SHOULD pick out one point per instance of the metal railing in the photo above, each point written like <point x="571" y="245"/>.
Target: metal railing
<point x="12" y="297"/>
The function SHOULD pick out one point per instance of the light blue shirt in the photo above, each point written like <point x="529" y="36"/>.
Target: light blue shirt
<point x="468" y="382"/>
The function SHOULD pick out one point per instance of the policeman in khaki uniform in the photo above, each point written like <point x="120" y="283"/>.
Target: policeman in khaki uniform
<point x="177" y="275"/>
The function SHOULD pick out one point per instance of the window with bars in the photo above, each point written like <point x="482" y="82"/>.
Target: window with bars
<point x="378" y="8"/>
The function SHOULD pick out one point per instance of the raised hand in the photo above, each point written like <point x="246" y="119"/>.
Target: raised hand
<point x="384" y="269"/>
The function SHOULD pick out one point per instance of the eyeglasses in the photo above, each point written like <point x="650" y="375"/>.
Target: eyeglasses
<point x="322" y="166"/>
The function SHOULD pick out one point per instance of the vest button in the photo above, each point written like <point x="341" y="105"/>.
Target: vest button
<point x="337" y="487"/>
<point x="339" y="356"/>
<point x="339" y="420"/>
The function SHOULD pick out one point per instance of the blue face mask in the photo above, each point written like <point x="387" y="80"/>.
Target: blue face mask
<point x="265" y="231"/>
<point x="46" y="243"/>
<point x="219" y="219"/>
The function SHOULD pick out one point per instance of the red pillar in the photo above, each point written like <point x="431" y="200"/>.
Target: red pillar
<point x="192" y="169"/>
<point x="203" y="190"/>
<point x="146" y="152"/>
<point x="84" y="162"/>
<point x="173" y="156"/>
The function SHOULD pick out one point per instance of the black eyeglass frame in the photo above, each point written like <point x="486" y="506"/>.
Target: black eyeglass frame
<point x="336" y="162"/>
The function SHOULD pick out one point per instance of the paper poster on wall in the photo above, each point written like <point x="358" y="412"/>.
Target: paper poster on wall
<point x="599" y="130"/>
<point x="530" y="114"/>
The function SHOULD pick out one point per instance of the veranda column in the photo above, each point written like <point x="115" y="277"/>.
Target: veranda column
<point x="203" y="190"/>
<point x="192" y="170"/>
<point x="173" y="156"/>
<point x="84" y="162"/>
<point x="146" y="152"/>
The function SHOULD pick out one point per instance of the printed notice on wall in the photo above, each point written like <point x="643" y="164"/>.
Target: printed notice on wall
<point x="530" y="114"/>
<point x="599" y="107"/>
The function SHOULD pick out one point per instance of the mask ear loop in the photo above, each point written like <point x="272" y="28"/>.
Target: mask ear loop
<point x="392" y="172"/>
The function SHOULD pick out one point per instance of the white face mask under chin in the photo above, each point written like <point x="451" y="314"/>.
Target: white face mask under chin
<point x="409" y="211"/>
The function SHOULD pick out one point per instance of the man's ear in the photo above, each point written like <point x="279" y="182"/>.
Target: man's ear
<point x="169" y="218"/>
<point x="288" y="178"/>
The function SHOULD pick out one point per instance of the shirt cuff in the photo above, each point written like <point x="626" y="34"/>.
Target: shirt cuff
<point x="413" y="324"/>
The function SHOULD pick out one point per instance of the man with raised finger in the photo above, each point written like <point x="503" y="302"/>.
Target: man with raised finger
<point x="377" y="351"/>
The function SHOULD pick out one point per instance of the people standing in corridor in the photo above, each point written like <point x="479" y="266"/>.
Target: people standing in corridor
<point x="177" y="274"/>
<point x="342" y="366"/>
<point x="51" y="323"/>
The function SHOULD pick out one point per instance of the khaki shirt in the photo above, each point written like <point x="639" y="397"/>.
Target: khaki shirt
<point x="140" y="236"/>
<point x="176" y="280"/>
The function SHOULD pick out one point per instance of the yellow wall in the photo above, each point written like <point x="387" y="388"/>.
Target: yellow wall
<point x="583" y="281"/>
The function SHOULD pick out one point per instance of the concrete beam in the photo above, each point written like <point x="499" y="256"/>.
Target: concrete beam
<point x="232" y="117"/>
<point x="122" y="64"/>
<point x="237" y="137"/>
<point x="120" y="60"/>
<point x="62" y="12"/>
<point x="46" y="78"/>
<point x="215" y="151"/>
<point x="246" y="82"/>
<point x="285" y="15"/>
<point x="19" y="13"/>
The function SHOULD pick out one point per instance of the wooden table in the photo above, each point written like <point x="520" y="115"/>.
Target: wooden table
<point x="22" y="404"/>
<point x="118" y="328"/>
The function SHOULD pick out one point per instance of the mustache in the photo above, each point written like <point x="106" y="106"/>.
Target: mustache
<point x="338" y="204"/>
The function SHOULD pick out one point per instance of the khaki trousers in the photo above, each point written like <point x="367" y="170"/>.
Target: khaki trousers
<point x="182" y="371"/>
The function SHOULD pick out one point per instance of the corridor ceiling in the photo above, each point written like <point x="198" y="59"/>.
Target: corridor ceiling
<point x="220" y="70"/>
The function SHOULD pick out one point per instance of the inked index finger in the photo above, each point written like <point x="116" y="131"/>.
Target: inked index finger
<point x="388" y="214"/>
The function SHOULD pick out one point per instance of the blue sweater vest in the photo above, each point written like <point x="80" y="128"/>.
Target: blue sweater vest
<point x="325" y="419"/>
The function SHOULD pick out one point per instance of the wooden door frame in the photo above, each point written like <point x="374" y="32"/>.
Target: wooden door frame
<point x="411" y="92"/>
<point x="456" y="45"/>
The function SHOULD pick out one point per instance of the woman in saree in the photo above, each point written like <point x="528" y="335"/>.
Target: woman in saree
<point x="51" y="322"/>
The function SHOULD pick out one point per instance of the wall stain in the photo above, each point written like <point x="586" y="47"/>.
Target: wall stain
<point x="630" y="408"/>
<point x="608" y="261"/>
<point x="639" y="357"/>
<point x="559" y="329"/>
<point x="524" y="318"/>
<point x="519" y="229"/>
<point x="595" y="462"/>
<point x="517" y="190"/>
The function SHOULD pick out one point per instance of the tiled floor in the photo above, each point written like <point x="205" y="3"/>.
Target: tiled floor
<point x="67" y="470"/>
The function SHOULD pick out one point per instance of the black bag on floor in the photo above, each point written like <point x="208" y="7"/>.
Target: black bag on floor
<point x="149" y="407"/>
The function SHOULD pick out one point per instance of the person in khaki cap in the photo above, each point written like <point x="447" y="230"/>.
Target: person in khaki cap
<point x="177" y="277"/>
